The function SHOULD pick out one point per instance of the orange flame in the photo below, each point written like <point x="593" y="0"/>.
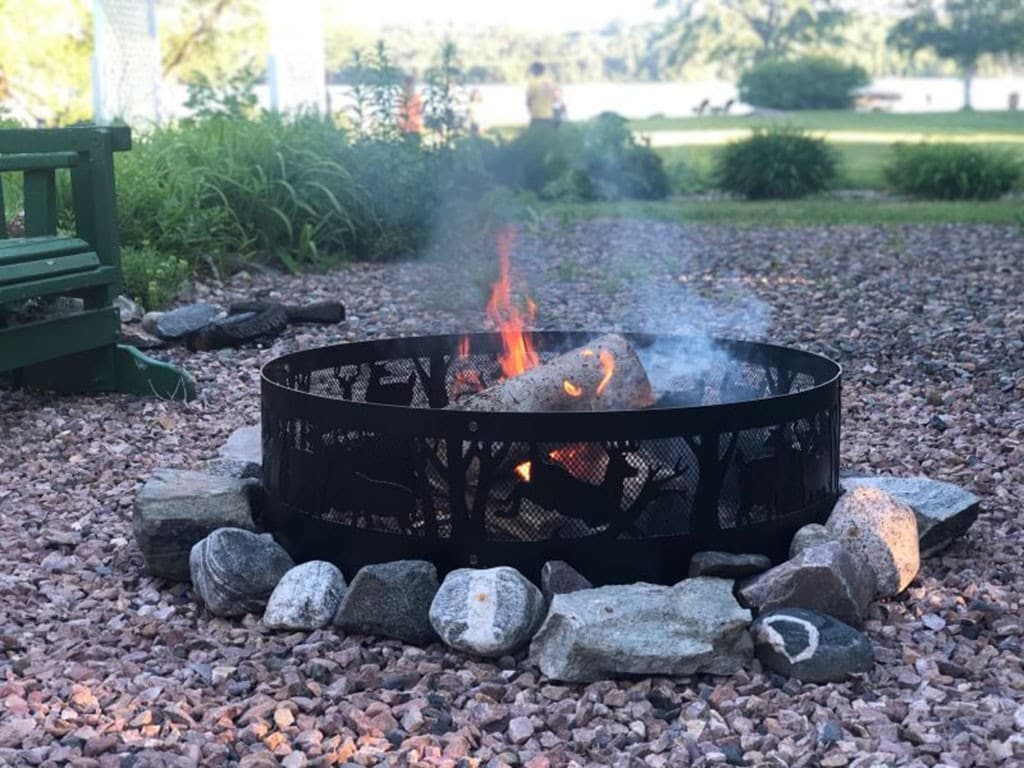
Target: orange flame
<point x="587" y="352"/>
<point x="464" y="346"/>
<point x="571" y="389"/>
<point x="608" y="366"/>
<point x="519" y="354"/>
<point x="523" y="470"/>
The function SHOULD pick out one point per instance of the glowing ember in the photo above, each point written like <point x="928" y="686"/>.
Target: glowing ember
<point x="587" y="352"/>
<point x="467" y="381"/>
<point x="608" y="366"/>
<point x="518" y="355"/>
<point x="571" y="389"/>
<point x="585" y="461"/>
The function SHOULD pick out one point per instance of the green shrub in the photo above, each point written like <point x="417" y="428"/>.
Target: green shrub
<point x="152" y="278"/>
<point x="686" y="178"/>
<point x="951" y="171"/>
<point x="814" y="82"/>
<point x="778" y="163"/>
<point x="598" y="159"/>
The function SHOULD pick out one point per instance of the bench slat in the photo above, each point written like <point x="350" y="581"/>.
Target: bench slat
<point x="61" y="265"/>
<point x="48" y="339"/>
<point x="50" y="286"/>
<point x="18" y="249"/>
<point x="24" y="161"/>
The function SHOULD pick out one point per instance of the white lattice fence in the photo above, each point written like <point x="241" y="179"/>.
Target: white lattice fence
<point x="297" y="66"/>
<point x="126" y="66"/>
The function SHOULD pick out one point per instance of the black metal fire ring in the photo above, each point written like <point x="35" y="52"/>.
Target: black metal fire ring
<point x="364" y="463"/>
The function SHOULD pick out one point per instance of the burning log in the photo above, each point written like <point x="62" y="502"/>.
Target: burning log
<point x="602" y="376"/>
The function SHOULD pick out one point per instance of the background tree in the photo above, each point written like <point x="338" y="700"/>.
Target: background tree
<point x="214" y="39"/>
<point x="750" y="31"/>
<point x="962" y="31"/>
<point x="686" y="38"/>
<point x="44" y="58"/>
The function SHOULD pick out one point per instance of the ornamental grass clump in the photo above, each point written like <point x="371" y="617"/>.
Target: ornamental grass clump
<point x="777" y="163"/>
<point x="947" y="171"/>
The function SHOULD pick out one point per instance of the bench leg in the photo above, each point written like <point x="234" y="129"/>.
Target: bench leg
<point x="117" y="368"/>
<point x="137" y="374"/>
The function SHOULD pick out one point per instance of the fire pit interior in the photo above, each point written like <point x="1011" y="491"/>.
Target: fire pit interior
<point x="373" y="453"/>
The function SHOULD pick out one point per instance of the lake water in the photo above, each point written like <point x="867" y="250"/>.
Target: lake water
<point x="505" y="104"/>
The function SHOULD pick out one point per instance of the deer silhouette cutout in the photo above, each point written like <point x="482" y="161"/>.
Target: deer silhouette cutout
<point x="554" y="488"/>
<point x="771" y="478"/>
<point x="389" y="393"/>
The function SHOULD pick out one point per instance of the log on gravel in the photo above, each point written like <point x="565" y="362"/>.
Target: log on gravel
<point x="318" y="312"/>
<point x="574" y="381"/>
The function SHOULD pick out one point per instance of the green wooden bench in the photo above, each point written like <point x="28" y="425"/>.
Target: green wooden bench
<point x="76" y="349"/>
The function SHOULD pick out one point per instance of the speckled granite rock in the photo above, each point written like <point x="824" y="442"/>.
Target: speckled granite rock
<point x="391" y="600"/>
<point x="883" y="531"/>
<point x="306" y="597"/>
<point x="944" y="511"/>
<point x="644" y="629"/>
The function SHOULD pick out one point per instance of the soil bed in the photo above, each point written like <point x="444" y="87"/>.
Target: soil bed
<point x="101" y="662"/>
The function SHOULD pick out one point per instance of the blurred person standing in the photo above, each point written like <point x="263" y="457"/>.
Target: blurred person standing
<point x="541" y="96"/>
<point x="473" y="111"/>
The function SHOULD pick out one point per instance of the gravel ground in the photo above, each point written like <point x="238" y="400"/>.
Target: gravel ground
<point x="103" y="665"/>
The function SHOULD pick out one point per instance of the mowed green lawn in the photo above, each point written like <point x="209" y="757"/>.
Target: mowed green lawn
<point x="863" y="140"/>
<point x="811" y="211"/>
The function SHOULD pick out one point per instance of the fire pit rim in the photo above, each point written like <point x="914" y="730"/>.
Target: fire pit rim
<point x="542" y="425"/>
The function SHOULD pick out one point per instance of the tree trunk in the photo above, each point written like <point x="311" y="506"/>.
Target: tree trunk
<point x="969" y="71"/>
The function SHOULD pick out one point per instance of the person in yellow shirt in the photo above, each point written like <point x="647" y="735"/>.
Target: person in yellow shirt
<point x="541" y="96"/>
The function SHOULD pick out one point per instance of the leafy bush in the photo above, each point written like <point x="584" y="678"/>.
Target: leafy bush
<point x="814" y="82"/>
<point x="951" y="171"/>
<point x="224" y="95"/>
<point x="152" y="278"/>
<point x="778" y="163"/>
<point x="687" y="178"/>
<point x="599" y="159"/>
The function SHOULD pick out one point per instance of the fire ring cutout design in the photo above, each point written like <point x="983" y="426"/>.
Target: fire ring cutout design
<point x="366" y="459"/>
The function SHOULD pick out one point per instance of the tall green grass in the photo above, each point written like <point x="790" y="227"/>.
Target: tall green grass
<point x="297" y="192"/>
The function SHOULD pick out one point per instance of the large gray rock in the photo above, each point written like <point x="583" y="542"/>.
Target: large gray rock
<point x="179" y="322"/>
<point x="827" y="578"/>
<point x="241" y="455"/>
<point x="644" y="629"/>
<point x="725" y="565"/>
<point x="391" y="600"/>
<point x="944" y="511"/>
<point x="883" y="531"/>
<point x="234" y="571"/>
<point x="306" y="597"/>
<point x="177" y="508"/>
<point x="810" y="646"/>
<point x="808" y="536"/>
<point x="557" y="577"/>
<point x="128" y="310"/>
<point x="491" y="612"/>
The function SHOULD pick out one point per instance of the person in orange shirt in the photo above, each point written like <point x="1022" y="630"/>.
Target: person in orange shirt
<point x="410" y="110"/>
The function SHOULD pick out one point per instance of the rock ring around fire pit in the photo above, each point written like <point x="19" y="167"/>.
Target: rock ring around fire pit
<point x="368" y="458"/>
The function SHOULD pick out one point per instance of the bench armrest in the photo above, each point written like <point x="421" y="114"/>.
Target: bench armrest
<point x="75" y="139"/>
